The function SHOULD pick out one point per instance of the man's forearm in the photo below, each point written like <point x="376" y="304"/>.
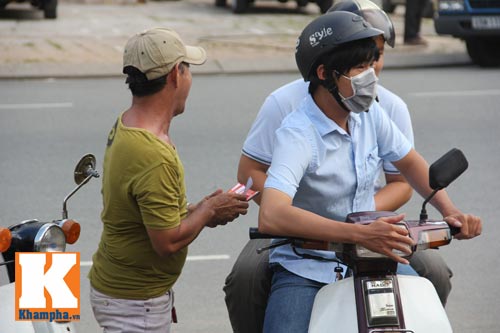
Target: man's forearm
<point x="393" y="196"/>
<point x="251" y="168"/>
<point x="416" y="171"/>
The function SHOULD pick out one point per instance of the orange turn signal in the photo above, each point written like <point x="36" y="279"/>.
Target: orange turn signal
<point x="5" y="239"/>
<point x="71" y="230"/>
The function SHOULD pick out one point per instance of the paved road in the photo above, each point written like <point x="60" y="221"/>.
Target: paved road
<point x="46" y="125"/>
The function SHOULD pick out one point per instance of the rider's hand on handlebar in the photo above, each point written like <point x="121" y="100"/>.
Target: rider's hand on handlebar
<point x="383" y="237"/>
<point x="226" y="207"/>
<point x="470" y="225"/>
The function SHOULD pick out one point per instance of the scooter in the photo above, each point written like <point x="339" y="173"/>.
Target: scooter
<point x="35" y="236"/>
<point x="374" y="299"/>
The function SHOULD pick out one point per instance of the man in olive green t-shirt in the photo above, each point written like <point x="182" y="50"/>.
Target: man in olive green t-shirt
<point x="147" y="224"/>
<point x="143" y="187"/>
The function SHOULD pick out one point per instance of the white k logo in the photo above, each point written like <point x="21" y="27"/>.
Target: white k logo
<point x="34" y="280"/>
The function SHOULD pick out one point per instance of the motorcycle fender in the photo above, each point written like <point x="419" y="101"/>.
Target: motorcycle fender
<point x="334" y="309"/>
<point x="7" y="308"/>
<point x="423" y="311"/>
<point x="9" y="324"/>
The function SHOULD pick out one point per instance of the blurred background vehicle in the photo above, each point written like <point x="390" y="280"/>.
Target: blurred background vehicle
<point x="49" y="7"/>
<point x="241" y="6"/>
<point x="477" y="22"/>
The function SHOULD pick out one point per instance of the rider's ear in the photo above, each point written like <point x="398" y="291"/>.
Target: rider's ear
<point x="320" y="72"/>
<point x="173" y="76"/>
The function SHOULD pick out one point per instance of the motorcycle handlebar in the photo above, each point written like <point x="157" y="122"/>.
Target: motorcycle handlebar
<point x="454" y="230"/>
<point x="254" y="233"/>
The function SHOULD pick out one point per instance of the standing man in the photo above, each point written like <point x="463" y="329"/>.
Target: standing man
<point x="147" y="224"/>
<point x="413" y="19"/>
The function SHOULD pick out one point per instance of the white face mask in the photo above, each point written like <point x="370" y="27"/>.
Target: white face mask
<point x="364" y="87"/>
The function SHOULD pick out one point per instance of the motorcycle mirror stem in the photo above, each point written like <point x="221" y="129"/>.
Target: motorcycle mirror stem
<point x="84" y="171"/>
<point x="442" y="172"/>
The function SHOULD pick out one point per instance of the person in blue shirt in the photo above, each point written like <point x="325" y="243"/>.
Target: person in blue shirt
<point x="325" y="159"/>
<point x="247" y="286"/>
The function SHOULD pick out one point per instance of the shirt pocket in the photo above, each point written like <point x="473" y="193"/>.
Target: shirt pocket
<point x="372" y="164"/>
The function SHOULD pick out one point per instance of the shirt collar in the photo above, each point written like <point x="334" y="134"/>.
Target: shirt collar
<point x="324" y="124"/>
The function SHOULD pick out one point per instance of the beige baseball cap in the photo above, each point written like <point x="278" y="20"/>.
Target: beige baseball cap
<point x="156" y="51"/>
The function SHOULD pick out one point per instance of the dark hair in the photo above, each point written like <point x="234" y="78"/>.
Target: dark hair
<point x="139" y="84"/>
<point x="343" y="58"/>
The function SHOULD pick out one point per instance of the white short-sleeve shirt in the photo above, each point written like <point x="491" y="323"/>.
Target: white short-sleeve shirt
<point x="260" y="139"/>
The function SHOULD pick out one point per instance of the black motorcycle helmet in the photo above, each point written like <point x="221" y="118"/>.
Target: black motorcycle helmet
<point x="371" y="13"/>
<point x="327" y="32"/>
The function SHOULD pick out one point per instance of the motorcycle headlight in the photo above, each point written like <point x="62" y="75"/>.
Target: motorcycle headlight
<point x="362" y="252"/>
<point x="50" y="238"/>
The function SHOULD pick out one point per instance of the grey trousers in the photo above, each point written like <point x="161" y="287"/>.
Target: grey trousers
<point x="116" y="315"/>
<point x="247" y="285"/>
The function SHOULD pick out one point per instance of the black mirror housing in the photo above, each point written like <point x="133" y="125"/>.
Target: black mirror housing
<point x="446" y="169"/>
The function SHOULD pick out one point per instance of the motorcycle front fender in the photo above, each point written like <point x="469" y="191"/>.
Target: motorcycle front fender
<point x="422" y="307"/>
<point x="9" y="324"/>
<point x="334" y="308"/>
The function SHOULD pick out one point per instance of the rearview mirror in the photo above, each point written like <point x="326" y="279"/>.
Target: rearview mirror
<point x="446" y="169"/>
<point x="85" y="168"/>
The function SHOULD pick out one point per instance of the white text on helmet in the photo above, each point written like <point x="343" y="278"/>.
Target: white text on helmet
<point x="316" y="37"/>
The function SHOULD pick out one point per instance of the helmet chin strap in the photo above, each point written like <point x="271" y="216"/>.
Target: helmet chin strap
<point x="332" y="88"/>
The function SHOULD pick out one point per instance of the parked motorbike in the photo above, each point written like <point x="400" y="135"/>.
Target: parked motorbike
<point x="36" y="236"/>
<point x="374" y="299"/>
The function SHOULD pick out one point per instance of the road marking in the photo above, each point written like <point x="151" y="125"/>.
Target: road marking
<point x="463" y="93"/>
<point x="36" y="106"/>
<point x="189" y="258"/>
